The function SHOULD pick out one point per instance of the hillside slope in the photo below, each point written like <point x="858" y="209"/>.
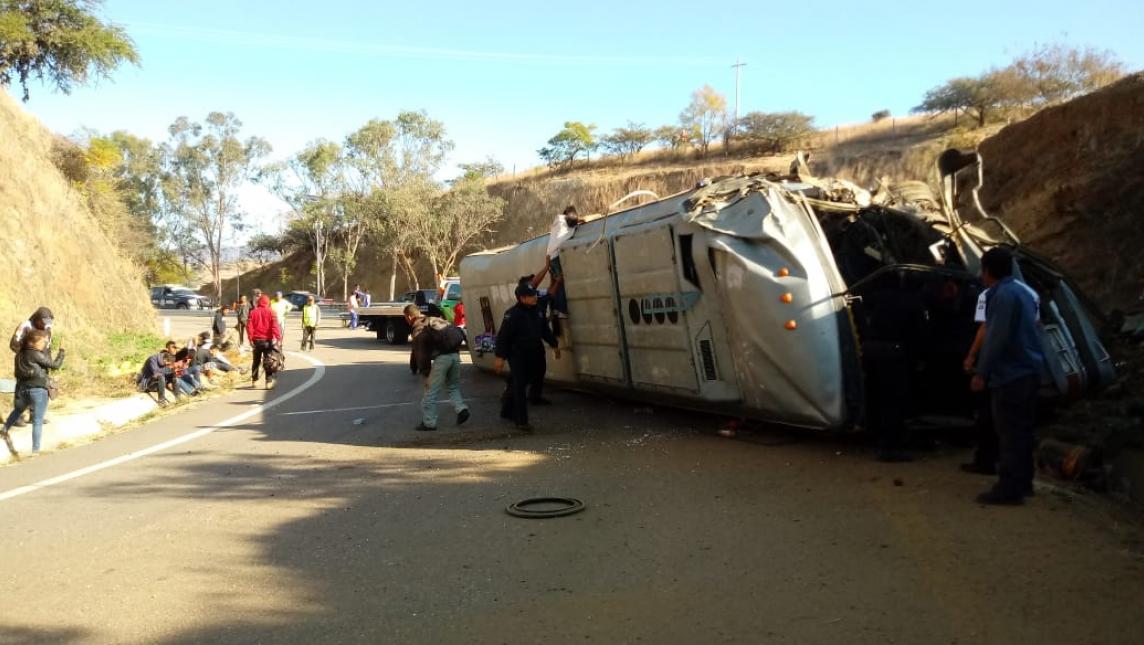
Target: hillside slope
<point x="1070" y="181"/>
<point x="54" y="253"/>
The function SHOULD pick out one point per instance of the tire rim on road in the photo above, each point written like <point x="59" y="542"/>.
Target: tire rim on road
<point x="521" y="508"/>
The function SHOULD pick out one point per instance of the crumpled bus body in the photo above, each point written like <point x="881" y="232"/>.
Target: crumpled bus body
<point x="759" y="297"/>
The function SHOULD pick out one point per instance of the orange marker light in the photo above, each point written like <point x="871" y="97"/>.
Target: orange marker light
<point x="784" y="272"/>
<point x="787" y="298"/>
<point x="791" y="325"/>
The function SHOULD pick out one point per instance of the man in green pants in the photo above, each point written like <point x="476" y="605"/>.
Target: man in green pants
<point x="436" y="355"/>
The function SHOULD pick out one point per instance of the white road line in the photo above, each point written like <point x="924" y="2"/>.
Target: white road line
<point x="360" y="407"/>
<point x="443" y="401"/>
<point x="319" y="372"/>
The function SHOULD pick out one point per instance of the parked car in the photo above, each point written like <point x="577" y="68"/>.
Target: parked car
<point x="173" y="296"/>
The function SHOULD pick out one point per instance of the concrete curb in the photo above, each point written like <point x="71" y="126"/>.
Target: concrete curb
<point x="67" y="428"/>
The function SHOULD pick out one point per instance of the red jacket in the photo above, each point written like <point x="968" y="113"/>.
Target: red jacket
<point x="262" y="324"/>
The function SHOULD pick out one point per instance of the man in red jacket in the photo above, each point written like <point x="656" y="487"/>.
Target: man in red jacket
<point x="265" y="336"/>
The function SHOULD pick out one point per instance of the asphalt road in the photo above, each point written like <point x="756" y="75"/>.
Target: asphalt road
<point x="326" y="518"/>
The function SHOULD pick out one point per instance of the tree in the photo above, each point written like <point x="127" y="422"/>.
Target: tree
<point x="775" y="131"/>
<point x="880" y="115"/>
<point x="312" y="182"/>
<point x="1055" y="73"/>
<point x="480" y="169"/>
<point x="1047" y="75"/>
<point x="265" y="247"/>
<point x="976" y="96"/>
<point x="206" y="164"/>
<point x="393" y="164"/>
<point x="572" y="141"/>
<point x="629" y="140"/>
<point x="61" y="42"/>
<point x="705" y="116"/>
<point x="457" y="217"/>
<point x="672" y="136"/>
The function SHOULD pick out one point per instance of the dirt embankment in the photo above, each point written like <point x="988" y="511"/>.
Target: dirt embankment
<point x="1070" y="181"/>
<point x="54" y="253"/>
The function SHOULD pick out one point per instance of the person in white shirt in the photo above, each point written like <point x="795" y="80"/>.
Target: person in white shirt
<point x="563" y="227"/>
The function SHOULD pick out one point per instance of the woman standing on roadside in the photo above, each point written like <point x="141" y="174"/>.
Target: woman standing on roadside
<point x="33" y="364"/>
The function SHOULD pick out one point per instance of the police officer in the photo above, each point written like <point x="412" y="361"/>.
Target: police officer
<point x="519" y="341"/>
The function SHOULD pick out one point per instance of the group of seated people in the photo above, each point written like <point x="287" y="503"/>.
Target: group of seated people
<point x="186" y="371"/>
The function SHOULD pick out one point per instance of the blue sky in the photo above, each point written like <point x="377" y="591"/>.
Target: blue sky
<point x="505" y="76"/>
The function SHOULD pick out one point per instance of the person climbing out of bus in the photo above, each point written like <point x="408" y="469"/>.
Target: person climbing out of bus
<point x="563" y="228"/>
<point x="520" y="342"/>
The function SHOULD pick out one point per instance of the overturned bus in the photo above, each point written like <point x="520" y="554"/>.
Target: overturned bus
<point x="765" y="296"/>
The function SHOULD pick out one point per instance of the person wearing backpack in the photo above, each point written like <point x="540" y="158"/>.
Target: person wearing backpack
<point x="33" y="364"/>
<point x="436" y="355"/>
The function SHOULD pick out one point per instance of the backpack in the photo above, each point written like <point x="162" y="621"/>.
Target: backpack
<point x="447" y="337"/>
<point x="273" y="361"/>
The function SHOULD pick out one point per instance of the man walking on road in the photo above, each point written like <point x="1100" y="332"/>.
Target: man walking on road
<point x="265" y="337"/>
<point x="436" y="355"/>
<point x="1010" y="365"/>
<point x="520" y="342"/>
<point x="311" y="318"/>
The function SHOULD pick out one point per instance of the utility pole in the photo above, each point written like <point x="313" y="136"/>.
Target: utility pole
<point x="737" y="65"/>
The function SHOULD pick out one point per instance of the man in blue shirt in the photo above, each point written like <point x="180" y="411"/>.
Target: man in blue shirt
<point x="1010" y="365"/>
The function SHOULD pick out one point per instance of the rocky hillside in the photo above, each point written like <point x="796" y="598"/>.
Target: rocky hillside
<point x="1070" y="181"/>
<point x="54" y="253"/>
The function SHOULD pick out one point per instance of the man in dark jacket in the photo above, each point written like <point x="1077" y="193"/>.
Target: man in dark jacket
<point x="158" y="371"/>
<point x="520" y="342"/>
<point x="218" y="327"/>
<point x="436" y="356"/>
<point x="242" y="315"/>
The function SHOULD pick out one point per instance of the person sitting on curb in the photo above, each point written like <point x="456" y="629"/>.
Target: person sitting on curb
<point x="186" y="370"/>
<point x="436" y="353"/>
<point x="157" y="374"/>
<point x="40" y="319"/>
<point x="33" y="364"/>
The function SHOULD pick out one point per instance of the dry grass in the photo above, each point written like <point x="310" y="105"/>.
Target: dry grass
<point x="55" y="254"/>
<point x="903" y="148"/>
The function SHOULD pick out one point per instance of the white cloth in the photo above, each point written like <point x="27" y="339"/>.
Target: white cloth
<point x="558" y="235"/>
<point x="979" y="315"/>
<point x="27" y="326"/>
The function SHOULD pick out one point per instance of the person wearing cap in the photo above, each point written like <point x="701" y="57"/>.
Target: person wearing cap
<point x="41" y="319"/>
<point x="520" y="343"/>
